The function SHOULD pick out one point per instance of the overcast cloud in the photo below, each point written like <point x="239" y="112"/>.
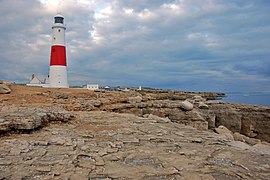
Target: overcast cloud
<point x="198" y="45"/>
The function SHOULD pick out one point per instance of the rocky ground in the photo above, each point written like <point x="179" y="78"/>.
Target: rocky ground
<point x="79" y="134"/>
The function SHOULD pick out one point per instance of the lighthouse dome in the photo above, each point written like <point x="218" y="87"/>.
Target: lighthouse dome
<point x="59" y="15"/>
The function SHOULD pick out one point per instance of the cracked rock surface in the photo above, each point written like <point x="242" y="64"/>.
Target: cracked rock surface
<point x="104" y="145"/>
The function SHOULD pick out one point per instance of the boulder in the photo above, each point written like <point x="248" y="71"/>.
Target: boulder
<point x="198" y="98"/>
<point x="239" y="137"/>
<point x="133" y="100"/>
<point x="224" y="131"/>
<point x="186" y="105"/>
<point x="60" y="95"/>
<point x="4" y="89"/>
<point x="95" y="103"/>
<point x="88" y="106"/>
<point x="202" y="105"/>
<point x="5" y="82"/>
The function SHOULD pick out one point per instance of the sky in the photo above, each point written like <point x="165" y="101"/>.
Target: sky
<point x="194" y="45"/>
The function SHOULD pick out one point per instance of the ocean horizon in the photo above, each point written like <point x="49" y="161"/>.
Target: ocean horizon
<point x="255" y="98"/>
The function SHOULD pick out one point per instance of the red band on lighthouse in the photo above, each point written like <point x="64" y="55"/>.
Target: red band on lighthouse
<point x="58" y="56"/>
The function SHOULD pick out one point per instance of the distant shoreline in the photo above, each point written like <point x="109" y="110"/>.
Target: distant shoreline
<point x="252" y="98"/>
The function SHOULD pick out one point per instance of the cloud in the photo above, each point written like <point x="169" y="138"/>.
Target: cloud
<point x="208" y="45"/>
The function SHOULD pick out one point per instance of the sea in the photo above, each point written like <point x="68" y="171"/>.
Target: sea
<point x="255" y="98"/>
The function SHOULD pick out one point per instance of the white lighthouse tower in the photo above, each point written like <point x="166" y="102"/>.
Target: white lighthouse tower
<point x="58" y="63"/>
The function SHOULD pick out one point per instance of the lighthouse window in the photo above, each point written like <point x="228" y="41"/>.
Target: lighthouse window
<point x="59" y="30"/>
<point x="59" y="20"/>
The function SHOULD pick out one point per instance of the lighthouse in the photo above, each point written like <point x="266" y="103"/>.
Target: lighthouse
<point x="58" y="62"/>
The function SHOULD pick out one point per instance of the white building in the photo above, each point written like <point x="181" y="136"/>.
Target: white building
<point x="34" y="81"/>
<point x="92" y="87"/>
